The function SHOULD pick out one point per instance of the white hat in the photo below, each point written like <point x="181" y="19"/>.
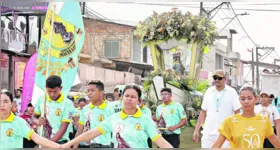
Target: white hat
<point x="4" y="90"/>
<point x="265" y="92"/>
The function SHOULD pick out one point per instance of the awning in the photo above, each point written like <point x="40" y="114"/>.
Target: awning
<point x="136" y="68"/>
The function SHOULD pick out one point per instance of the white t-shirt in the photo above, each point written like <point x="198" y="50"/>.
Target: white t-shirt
<point x="229" y="102"/>
<point x="270" y="111"/>
<point x="18" y="101"/>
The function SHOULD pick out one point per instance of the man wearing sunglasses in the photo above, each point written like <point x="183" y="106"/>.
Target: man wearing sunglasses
<point x="220" y="101"/>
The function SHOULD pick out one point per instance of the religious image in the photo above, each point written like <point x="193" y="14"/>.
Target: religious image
<point x="121" y="141"/>
<point x="87" y="128"/>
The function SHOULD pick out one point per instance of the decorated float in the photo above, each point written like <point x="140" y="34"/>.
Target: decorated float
<point x="177" y="43"/>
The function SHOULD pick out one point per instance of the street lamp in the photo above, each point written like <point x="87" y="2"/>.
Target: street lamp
<point x="243" y="37"/>
<point x="232" y="20"/>
<point x="226" y="18"/>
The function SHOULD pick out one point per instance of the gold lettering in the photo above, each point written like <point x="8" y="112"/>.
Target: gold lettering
<point x="68" y="51"/>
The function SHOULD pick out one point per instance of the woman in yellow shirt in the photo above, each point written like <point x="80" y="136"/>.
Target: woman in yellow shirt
<point x="247" y="130"/>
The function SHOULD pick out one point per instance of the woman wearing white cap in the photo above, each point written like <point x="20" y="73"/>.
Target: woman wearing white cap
<point x="117" y="105"/>
<point x="265" y="108"/>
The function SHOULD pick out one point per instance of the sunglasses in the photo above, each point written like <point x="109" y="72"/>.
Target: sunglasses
<point x="218" y="78"/>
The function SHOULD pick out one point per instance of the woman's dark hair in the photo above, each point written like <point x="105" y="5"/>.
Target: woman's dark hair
<point x="272" y="96"/>
<point x="53" y="81"/>
<point x="82" y="100"/>
<point x="9" y="94"/>
<point x="135" y="87"/>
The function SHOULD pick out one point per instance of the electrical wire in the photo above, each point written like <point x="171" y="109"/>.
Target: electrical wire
<point x="267" y="53"/>
<point x="242" y="25"/>
<point x="276" y="53"/>
<point x="217" y="11"/>
<point x="226" y="23"/>
<point x="194" y="6"/>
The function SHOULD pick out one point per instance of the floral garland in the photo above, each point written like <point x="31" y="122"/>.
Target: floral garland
<point x="175" y="24"/>
<point x="170" y="77"/>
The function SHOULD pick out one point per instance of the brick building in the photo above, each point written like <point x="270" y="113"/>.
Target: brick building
<point x="112" y="54"/>
<point x="108" y="40"/>
<point x="108" y="45"/>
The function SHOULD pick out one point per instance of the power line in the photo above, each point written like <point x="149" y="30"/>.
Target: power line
<point x="267" y="53"/>
<point x="276" y="53"/>
<point x="242" y="25"/>
<point x="216" y="11"/>
<point x="194" y="6"/>
<point x="260" y="4"/>
<point x="226" y="23"/>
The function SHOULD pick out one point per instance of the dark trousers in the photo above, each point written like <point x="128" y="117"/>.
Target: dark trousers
<point x="94" y="146"/>
<point x="28" y="144"/>
<point x="62" y="142"/>
<point x="267" y="143"/>
<point x="173" y="139"/>
<point x="150" y="143"/>
<point x="84" y="146"/>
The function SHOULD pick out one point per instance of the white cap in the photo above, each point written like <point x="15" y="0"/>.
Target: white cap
<point x="265" y="92"/>
<point x="4" y="90"/>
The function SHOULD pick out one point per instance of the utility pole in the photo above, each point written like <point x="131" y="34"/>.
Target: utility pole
<point x="253" y="68"/>
<point x="201" y="9"/>
<point x="208" y="13"/>
<point x="257" y="65"/>
<point x="258" y="75"/>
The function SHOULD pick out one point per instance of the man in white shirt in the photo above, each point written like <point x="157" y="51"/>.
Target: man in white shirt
<point x="17" y="100"/>
<point x="265" y="108"/>
<point x="220" y="101"/>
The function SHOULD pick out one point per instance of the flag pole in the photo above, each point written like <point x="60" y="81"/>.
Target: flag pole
<point x="52" y="7"/>
<point x="0" y="68"/>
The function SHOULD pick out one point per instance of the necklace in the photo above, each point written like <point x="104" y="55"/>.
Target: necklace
<point x="218" y="102"/>
<point x="265" y="112"/>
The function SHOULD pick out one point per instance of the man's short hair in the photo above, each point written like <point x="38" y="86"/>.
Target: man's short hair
<point x="99" y="85"/>
<point x="53" y="81"/>
<point x="166" y="90"/>
<point x="82" y="100"/>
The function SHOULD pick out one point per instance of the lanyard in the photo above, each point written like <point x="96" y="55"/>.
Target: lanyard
<point x="218" y="100"/>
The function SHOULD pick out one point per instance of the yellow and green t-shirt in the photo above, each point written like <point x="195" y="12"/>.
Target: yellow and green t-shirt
<point x="91" y="116"/>
<point x="145" y="110"/>
<point x="61" y="110"/>
<point x="130" y="131"/>
<point x="117" y="105"/>
<point x="171" y="114"/>
<point x="244" y="132"/>
<point x="13" y="130"/>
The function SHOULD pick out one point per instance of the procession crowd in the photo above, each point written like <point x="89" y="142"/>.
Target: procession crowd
<point x="228" y="119"/>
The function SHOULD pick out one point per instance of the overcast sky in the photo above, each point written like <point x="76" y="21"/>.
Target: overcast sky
<point x="262" y="26"/>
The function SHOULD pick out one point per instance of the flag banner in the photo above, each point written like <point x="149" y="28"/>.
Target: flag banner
<point x="65" y="39"/>
<point x="28" y="82"/>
